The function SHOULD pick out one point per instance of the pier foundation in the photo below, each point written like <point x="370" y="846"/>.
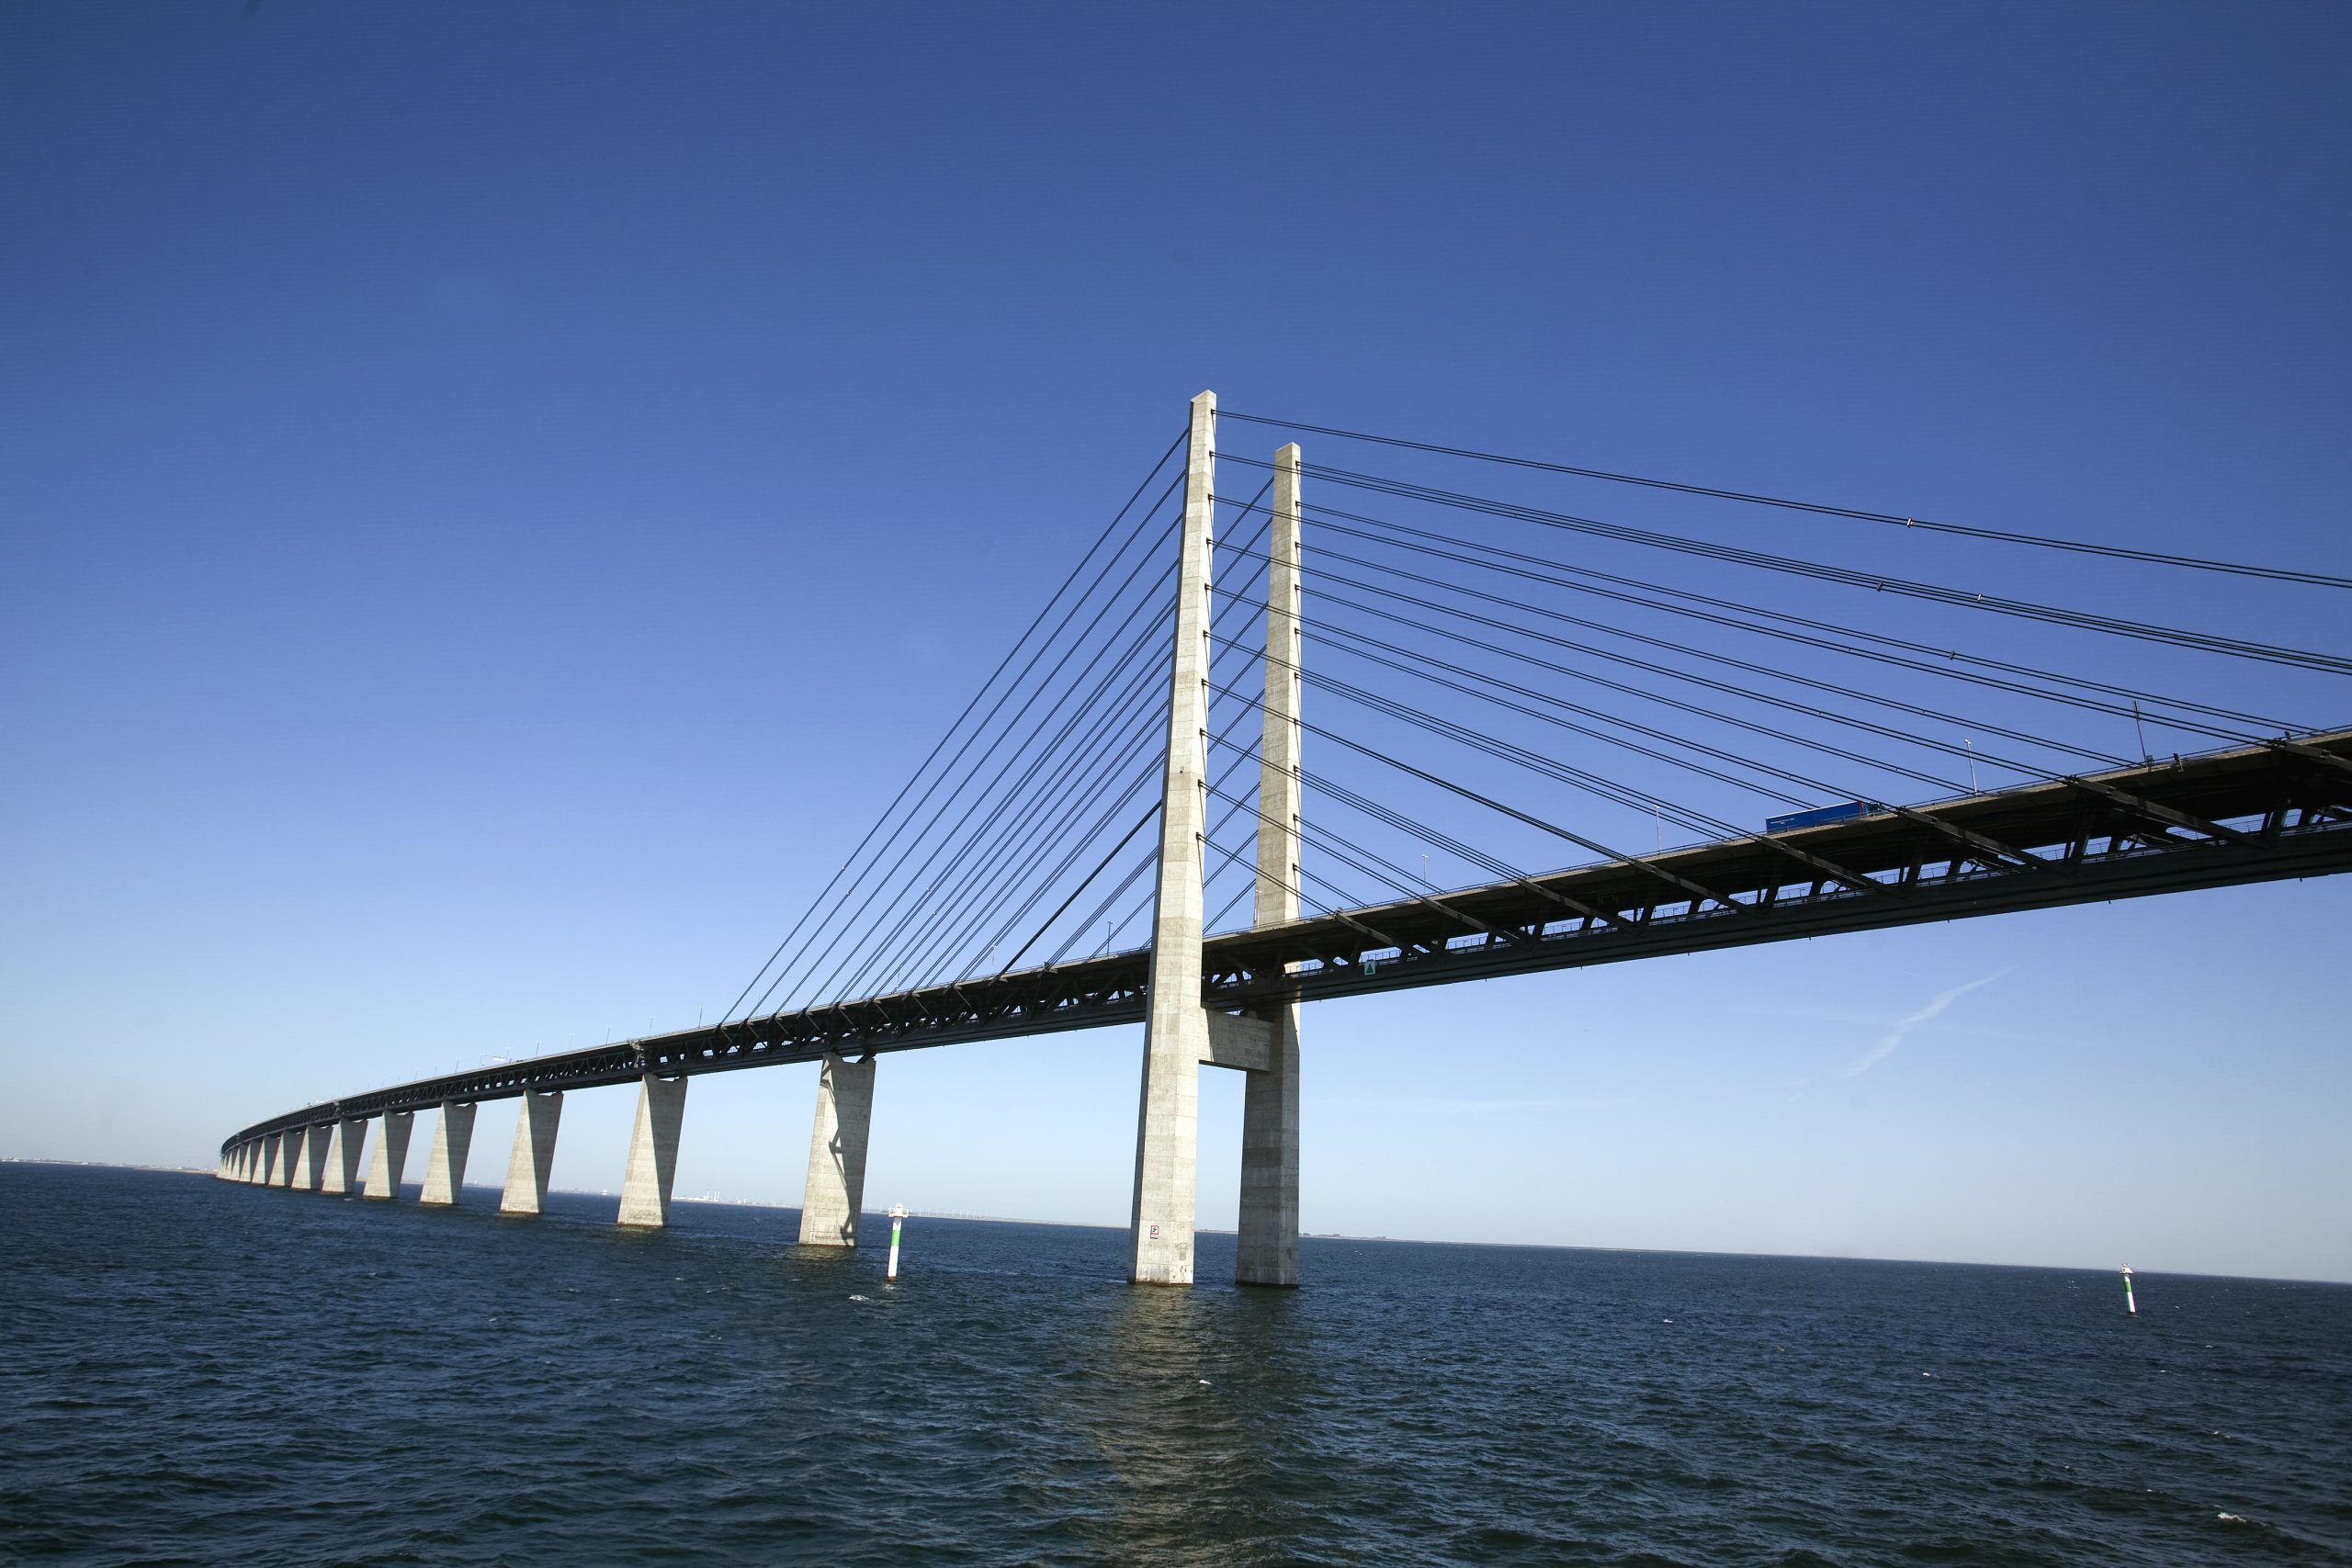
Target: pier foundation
<point x="653" y="1151"/>
<point x="836" y="1187"/>
<point x="391" y="1155"/>
<point x="534" y="1156"/>
<point x="311" y="1177"/>
<point x="283" y="1148"/>
<point x="343" y="1166"/>
<point x="444" y="1169"/>
<point x="1267" y="1250"/>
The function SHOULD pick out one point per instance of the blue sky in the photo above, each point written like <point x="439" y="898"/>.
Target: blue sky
<point x="491" y="500"/>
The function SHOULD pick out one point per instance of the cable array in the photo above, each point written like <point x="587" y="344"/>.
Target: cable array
<point x="1496" y="683"/>
<point x="1484" y="674"/>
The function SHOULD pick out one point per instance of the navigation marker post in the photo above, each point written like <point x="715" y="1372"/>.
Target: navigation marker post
<point x="898" y="1214"/>
<point x="2129" y="1305"/>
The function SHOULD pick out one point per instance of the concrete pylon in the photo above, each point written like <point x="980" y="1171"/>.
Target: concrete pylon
<point x="534" y="1156"/>
<point x="343" y="1168"/>
<point x="836" y="1187"/>
<point x="284" y="1148"/>
<point x="1175" y="1024"/>
<point x="444" y="1169"/>
<point x="1267" y="1251"/>
<point x="384" y="1171"/>
<point x="653" y="1151"/>
<point x="313" y="1175"/>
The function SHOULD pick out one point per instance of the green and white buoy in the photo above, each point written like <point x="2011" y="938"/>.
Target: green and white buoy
<point x="2129" y="1305"/>
<point x="899" y="1212"/>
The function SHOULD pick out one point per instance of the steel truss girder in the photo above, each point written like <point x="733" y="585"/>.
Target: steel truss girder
<point x="2081" y="845"/>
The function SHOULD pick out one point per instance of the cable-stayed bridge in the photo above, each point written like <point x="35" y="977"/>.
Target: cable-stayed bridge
<point x="1505" y="704"/>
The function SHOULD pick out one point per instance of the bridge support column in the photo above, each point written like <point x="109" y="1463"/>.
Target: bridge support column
<point x="653" y="1151"/>
<point x="284" y="1149"/>
<point x="391" y="1155"/>
<point x="1175" y="1024"/>
<point x="313" y="1174"/>
<point x="444" y="1169"/>
<point x="534" y="1156"/>
<point x="254" y="1160"/>
<point x="343" y="1170"/>
<point x="1267" y="1251"/>
<point x="836" y="1189"/>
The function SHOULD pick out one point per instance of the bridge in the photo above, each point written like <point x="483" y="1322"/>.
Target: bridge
<point x="1031" y="804"/>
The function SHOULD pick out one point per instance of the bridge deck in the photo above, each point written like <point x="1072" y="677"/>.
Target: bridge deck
<point x="2256" y="814"/>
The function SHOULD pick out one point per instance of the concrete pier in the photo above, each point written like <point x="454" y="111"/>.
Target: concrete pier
<point x="343" y="1170"/>
<point x="1175" y="1024"/>
<point x="444" y="1169"/>
<point x="281" y="1158"/>
<point x="391" y="1155"/>
<point x="534" y="1156"/>
<point x="836" y="1187"/>
<point x="1267" y="1251"/>
<point x="311" y="1177"/>
<point x="653" y="1151"/>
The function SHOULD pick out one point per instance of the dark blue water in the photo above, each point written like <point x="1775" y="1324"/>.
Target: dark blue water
<point x="195" y="1372"/>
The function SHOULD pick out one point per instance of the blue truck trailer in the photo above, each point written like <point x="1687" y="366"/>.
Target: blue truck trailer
<point x="1819" y="814"/>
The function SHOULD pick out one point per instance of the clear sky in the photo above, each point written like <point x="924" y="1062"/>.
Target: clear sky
<point x="492" y="498"/>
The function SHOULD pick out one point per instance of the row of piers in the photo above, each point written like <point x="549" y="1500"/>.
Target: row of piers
<point x="326" y="1157"/>
<point x="1180" y="1034"/>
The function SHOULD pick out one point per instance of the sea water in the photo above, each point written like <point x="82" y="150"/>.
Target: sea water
<point x="198" y="1372"/>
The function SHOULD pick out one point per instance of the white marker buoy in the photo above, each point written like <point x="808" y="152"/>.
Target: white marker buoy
<point x="2129" y="1305"/>
<point x="898" y="1214"/>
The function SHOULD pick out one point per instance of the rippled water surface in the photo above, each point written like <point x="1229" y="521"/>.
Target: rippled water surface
<point x="195" y="1372"/>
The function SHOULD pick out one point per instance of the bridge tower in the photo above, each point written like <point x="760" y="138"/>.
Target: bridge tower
<point x="1268" y="1252"/>
<point x="1180" y="1032"/>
